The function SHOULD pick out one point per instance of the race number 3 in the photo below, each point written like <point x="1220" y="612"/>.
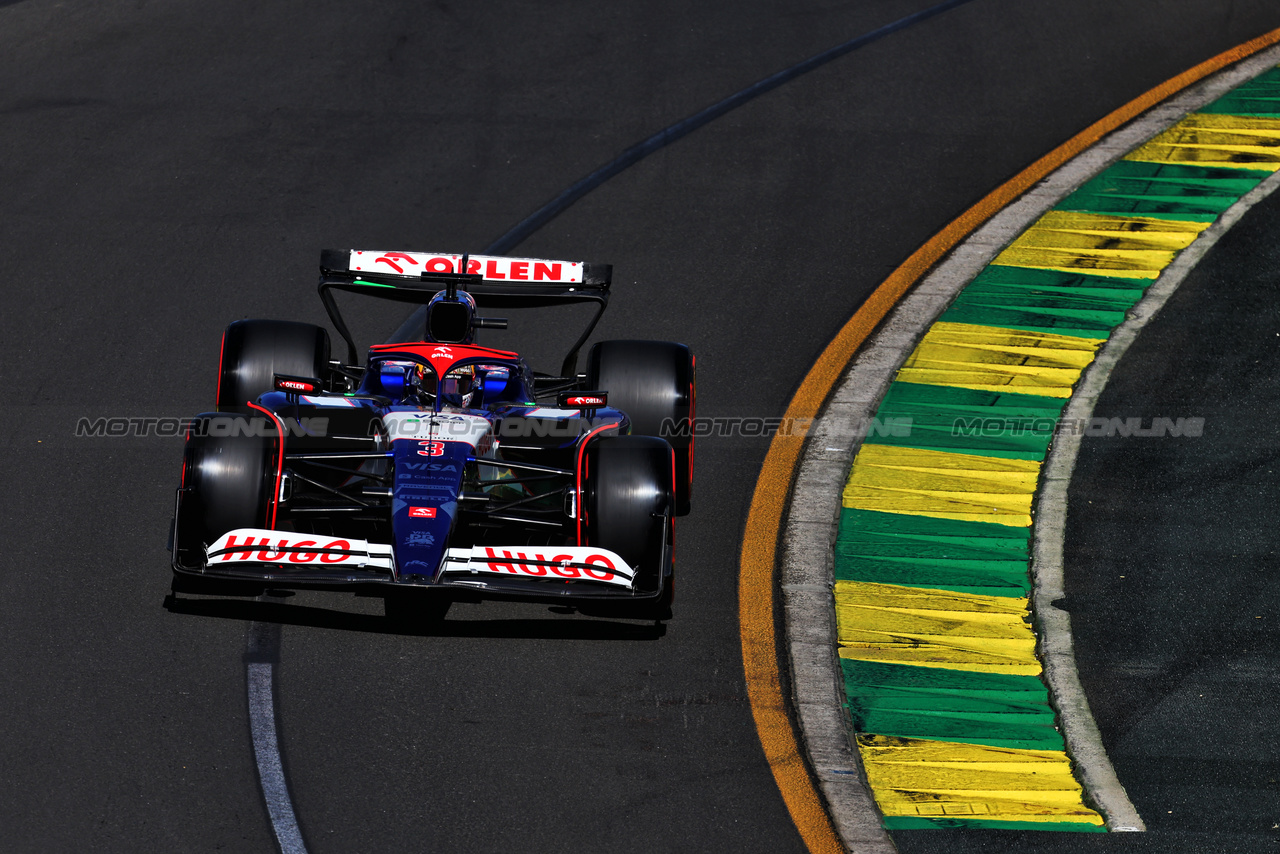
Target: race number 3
<point x="431" y="449"/>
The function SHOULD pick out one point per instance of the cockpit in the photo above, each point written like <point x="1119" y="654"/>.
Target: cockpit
<point x="470" y="386"/>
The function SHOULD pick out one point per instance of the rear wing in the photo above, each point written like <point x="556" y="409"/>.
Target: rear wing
<point x="494" y="281"/>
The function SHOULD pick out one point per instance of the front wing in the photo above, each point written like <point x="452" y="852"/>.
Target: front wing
<point x="289" y="559"/>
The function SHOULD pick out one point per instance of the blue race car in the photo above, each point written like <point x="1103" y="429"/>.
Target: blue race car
<point x="440" y="469"/>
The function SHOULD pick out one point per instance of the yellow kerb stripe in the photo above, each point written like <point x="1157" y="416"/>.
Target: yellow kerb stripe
<point x="1125" y="246"/>
<point x="939" y="779"/>
<point x="928" y="600"/>
<point x="1238" y="142"/>
<point x="990" y="358"/>
<point x="934" y="628"/>
<point x="942" y="484"/>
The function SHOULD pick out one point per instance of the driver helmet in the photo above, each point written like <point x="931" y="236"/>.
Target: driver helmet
<point x="458" y="387"/>
<point x="424" y="383"/>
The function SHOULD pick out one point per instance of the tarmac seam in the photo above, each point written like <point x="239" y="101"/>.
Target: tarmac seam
<point x="809" y="532"/>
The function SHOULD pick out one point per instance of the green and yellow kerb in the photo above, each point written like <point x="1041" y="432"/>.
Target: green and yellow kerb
<point x="932" y="604"/>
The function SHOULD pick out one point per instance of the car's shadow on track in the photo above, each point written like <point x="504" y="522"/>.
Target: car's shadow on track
<point x="575" y="627"/>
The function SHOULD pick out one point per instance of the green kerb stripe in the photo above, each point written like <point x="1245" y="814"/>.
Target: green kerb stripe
<point x="926" y="552"/>
<point x="991" y="424"/>
<point x="1258" y="97"/>
<point x="1164" y="191"/>
<point x="1046" y="301"/>
<point x="950" y="705"/>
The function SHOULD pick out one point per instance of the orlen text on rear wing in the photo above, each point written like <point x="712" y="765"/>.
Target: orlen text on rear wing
<point x="495" y="281"/>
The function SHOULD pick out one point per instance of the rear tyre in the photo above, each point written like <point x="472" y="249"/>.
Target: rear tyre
<point x="627" y="507"/>
<point x="254" y="351"/>
<point x="653" y="383"/>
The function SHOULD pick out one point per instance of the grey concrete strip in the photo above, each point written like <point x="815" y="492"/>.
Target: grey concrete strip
<point x="807" y="575"/>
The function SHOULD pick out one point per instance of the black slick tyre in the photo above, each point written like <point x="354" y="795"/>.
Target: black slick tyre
<point x="228" y="480"/>
<point x="627" y="508"/>
<point x="254" y="351"/>
<point x="653" y="383"/>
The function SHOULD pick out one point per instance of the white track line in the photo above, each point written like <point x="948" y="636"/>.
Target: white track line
<point x="807" y="577"/>
<point x="260" y="678"/>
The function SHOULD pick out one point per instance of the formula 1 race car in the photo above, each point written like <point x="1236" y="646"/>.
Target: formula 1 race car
<point x="440" y="469"/>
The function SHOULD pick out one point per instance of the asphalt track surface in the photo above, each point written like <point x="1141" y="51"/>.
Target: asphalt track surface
<point x="170" y="167"/>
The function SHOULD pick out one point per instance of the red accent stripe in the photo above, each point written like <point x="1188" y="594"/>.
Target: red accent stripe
<point x="275" y="495"/>
<point x="582" y="449"/>
<point x="182" y="482"/>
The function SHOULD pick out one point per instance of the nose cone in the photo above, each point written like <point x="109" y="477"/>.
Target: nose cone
<point x="424" y="504"/>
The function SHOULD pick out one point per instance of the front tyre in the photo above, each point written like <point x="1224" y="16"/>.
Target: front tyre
<point x="627" y="508"/>
<point x="229" y="468"/>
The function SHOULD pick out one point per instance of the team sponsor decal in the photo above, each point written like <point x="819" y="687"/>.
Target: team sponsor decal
<point x="564" y="563"/>
<point x="422" y="512"/>
<point x="251" y="545"/>
<point x="492" y="267"/>
<point x="435" y="471"/>
<point x="585" y="400"/>
<point x="442" y="358"/>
